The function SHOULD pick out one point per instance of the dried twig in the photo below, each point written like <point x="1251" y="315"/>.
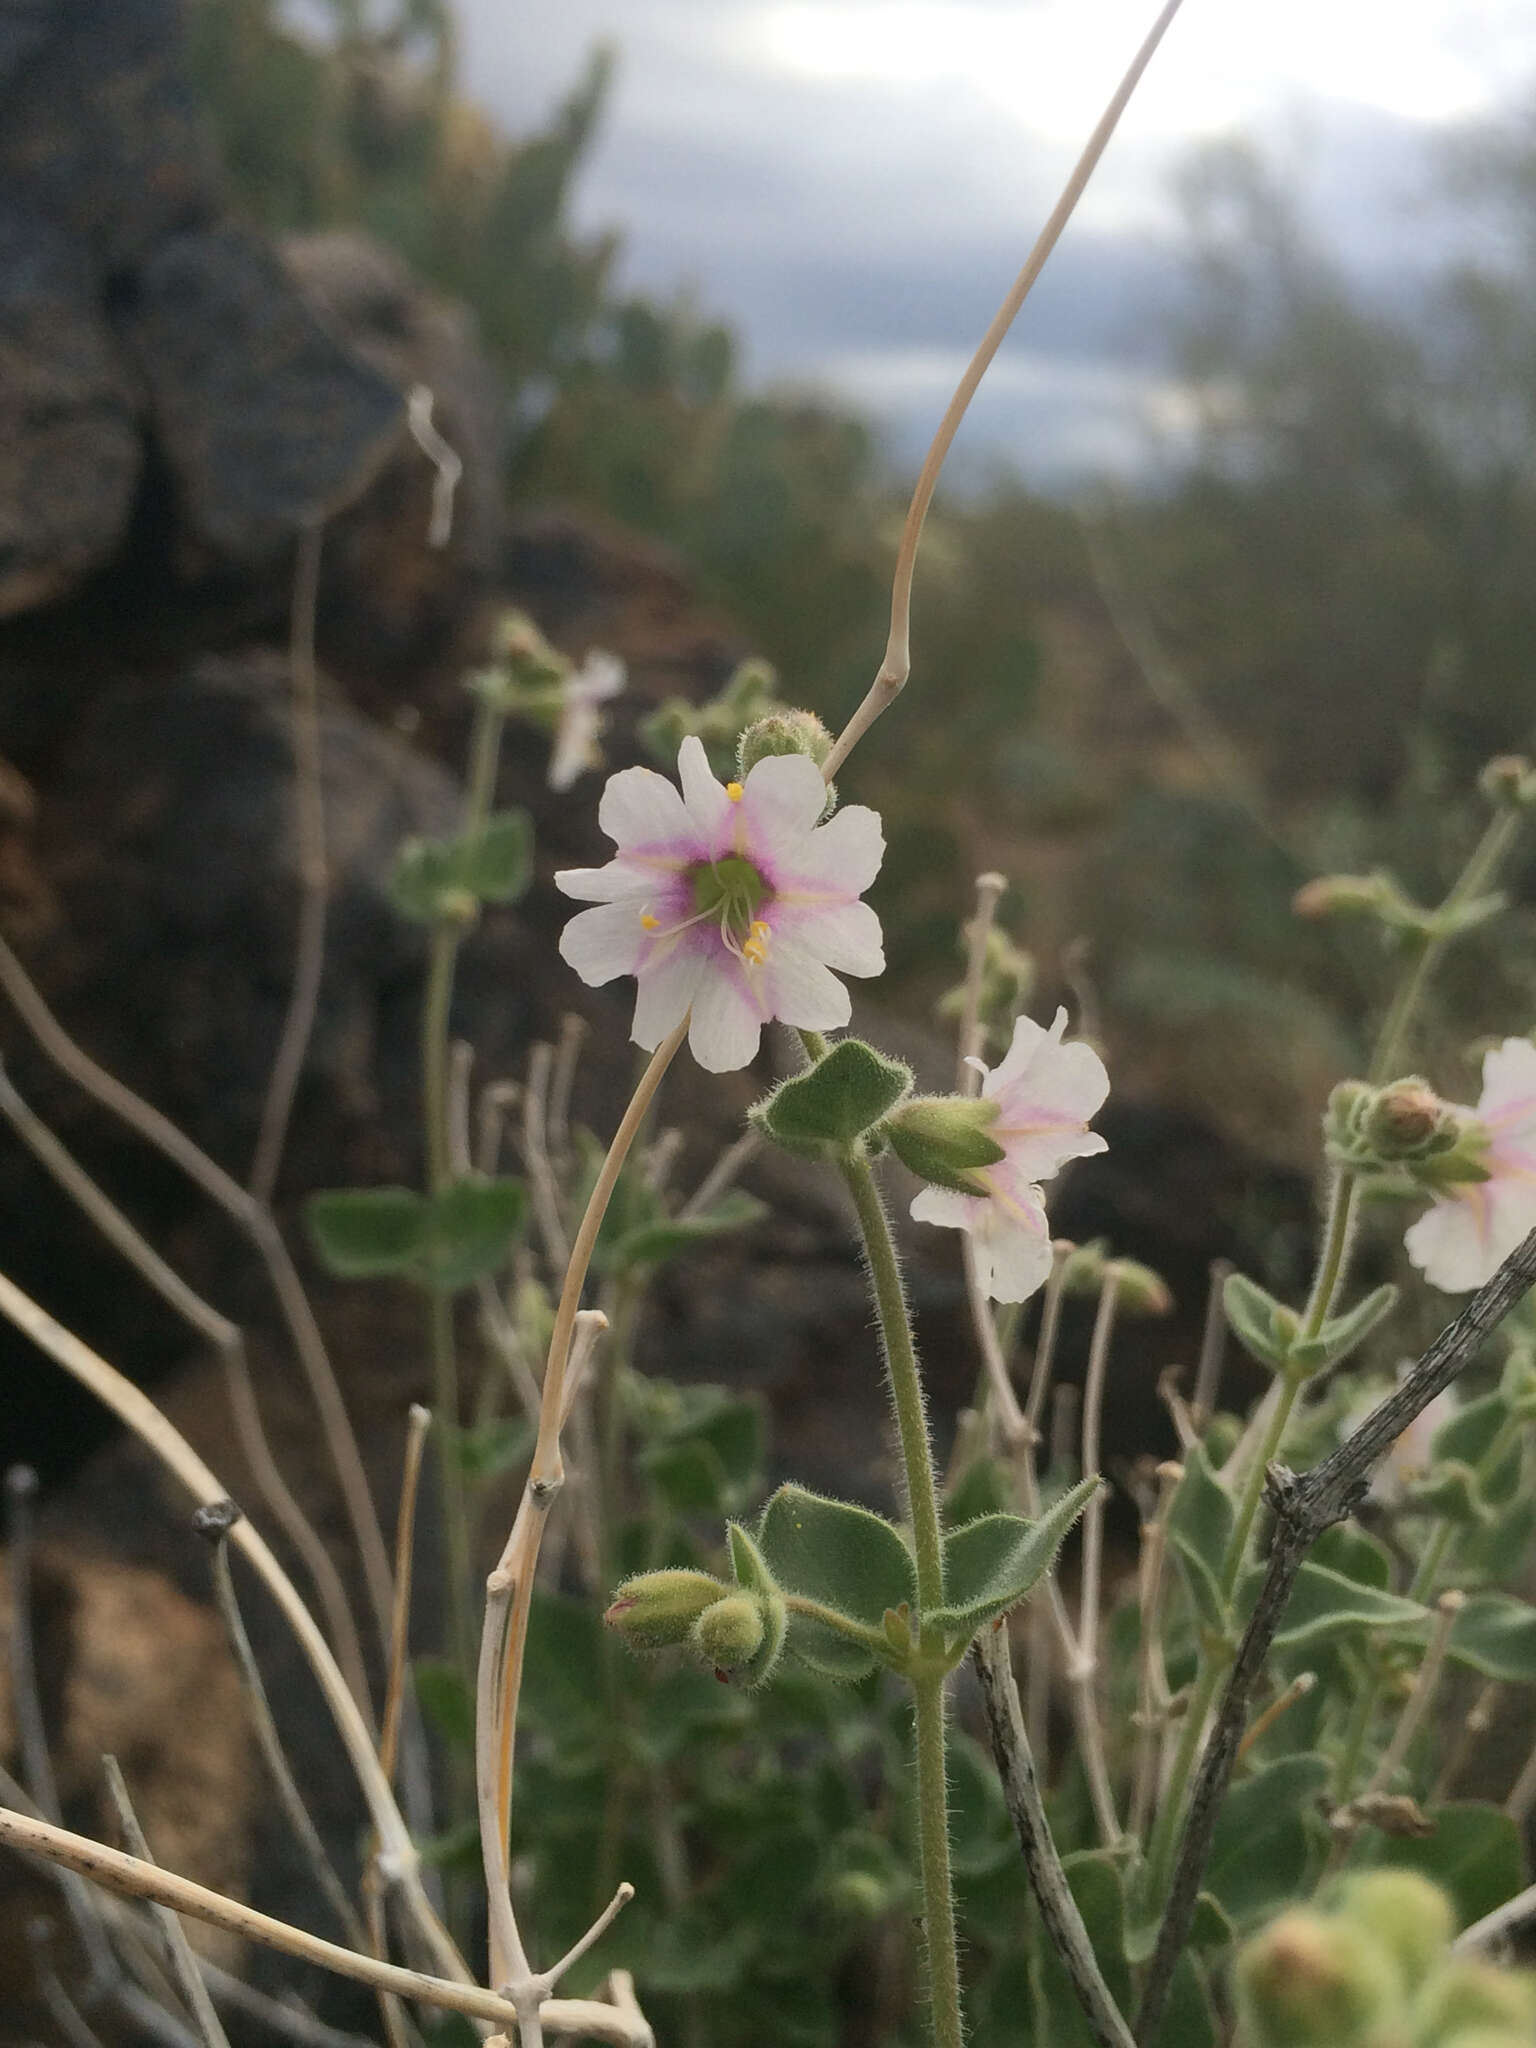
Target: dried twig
<point x="134" y="1879"/>
<point x="1048" y="1880"/>
<point x="183" y="1962"/>
<point x="1304" y="1507"/>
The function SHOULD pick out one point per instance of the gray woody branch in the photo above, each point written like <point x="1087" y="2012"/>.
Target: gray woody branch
<point x="1304" y="1507"/>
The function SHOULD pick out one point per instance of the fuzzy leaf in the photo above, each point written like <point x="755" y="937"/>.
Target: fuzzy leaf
<point x="496" y="863"/>
<point x="1264" y="1327"/>
<point x="470" y="1227"/>
<point x="1261" y="1847"/>
<point x="1202" y="1517"/>
<point x="1496" y="1635"/>
<point x="1342" y="1334"/>
<point x="1347" y="1549"/>
<point x="842" y="1556"/>
<point x="844" y="1095"/>
<point x="1325" y="1603"/>
<point x="650" y="1243"/>
<point x="991" y="1564"/>
<point x="364" y="1233"/>
<point x="748" y="1566"/>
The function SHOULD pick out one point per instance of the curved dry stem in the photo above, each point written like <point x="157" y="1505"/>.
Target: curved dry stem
<point x="896" y="665"/>
<point x="139" y="1413"/>
<point x="133" y="1879"/>
<point x="259" y="1226"/>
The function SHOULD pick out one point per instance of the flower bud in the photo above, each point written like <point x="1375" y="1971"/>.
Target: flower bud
<point x="783" y="732"/>
<point x="1406" y="1118"/>
<point x="1509" y="780"/>
<point x="858" y="1895"/>
<point x="1341" y="896"/>
<point x="1140" y="1291"/>
<point x="944" y="1139"/>
<point x="659" y="1608"/>
<point x="1311" y="1982"/>
<point x="1082" y="1270"/>
<point x="520" y="644"/>
<point x="1467" y="1995"/>
<point x="729" y="1631"/>
<point x="1411" y="1918"/>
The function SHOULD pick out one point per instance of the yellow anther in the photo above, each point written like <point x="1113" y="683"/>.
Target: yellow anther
<point x="734" y="791"/>
<point x="759" y="925"/>
<point x="650" y="923"/>
<point x="753" y="951"/>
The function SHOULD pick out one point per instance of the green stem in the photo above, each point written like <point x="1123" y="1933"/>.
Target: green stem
<point x="933" y="1847"/>
<point x="1170" y="1812"/>
<point x="1356" y="1729"/>
<point x="1253" y="1487"/>
<point x="906" y="1390"/>
<point x="1335" y="1256"/>
<point x="905" y="1384"/>
<point x="1486" y="858"/>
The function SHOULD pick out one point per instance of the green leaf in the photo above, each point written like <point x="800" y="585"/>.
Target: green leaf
<point x="470" y="1227"/>
<point x="980" y="1490"/>
<point x="1496" y="1635"/>
<point x="841" y="1556"/>
<point x="1264" y="1327"/>
<point x="749" y="1568"/>
<point x="446" y="1701"/>
<point x="650" y="1243"/>
<point x="1325" y="1604"/>
<point x="496" y="863"/>
<point x="1475" y="1852"/>
<point x="1201" y="1516"/>
<point x="1342" y="1334"/>
<point x="1469" y="1434"/>
<point x="844" y="1095"/>
<point x="688" y="1475"/>
<point x="487" y="1449"/>
<point x="991" y="1564"/>
<point x="364" y="1233"/>
<point x="826" y="1652"/>
<point x="1261" y="1847"/>
<point x="1347" y="1549"/>
<point x="425" y="876"/>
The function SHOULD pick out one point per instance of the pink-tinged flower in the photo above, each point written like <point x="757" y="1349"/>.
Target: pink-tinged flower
<point x="1474" y="1225"/>
<point x="600" y="677"/>
<point x="731" y="900"/>
<point x="1045" y="1093"/>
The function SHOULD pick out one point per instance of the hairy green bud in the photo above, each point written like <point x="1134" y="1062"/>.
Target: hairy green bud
<point x="1509" y="782"/>
<point x="1140" y="1291"/>
<point x="945" y="1139"/>
<point x="657" y="1609"/>
<point x="782" y="732"/>
<point x="1467" y="1994"/>
<point x="1411" y="1918"/>
<point x="730" y="1631"/>
<point x="1312" y="1982"/>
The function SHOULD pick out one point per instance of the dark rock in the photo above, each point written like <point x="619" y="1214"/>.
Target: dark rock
<point x="265" y="420"/>
<point x="69" y="441"/>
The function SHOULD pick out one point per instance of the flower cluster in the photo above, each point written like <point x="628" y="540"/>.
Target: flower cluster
<point x="731" y="903"/>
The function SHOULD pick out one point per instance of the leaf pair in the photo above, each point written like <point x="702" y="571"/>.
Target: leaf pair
<point x="1272" y="1333"/>
<point x="443" y="1241"/>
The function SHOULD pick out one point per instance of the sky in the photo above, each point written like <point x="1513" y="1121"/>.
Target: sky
<point x="852" y="184"/>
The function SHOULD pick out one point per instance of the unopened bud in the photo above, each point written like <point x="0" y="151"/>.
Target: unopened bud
<point x="946" y="1139"/>
<point x="1411" y="1918"/>
<point x="659" y="1608"/>
<point x="526" y="652"/>
<point x="1340" y="896"/>
<point x="1140" y="1291"/>
<point x="1509" y="779"/>
<point x="1082" y="1270"/>
<point x="858" y="1895"/>
<point x="1311" y="1982"/>
<point x="1468" y="1995"/>
<point x="783" y="732"/>
<point x="1405" y="1118"/>
<point x="729" y="1631"/>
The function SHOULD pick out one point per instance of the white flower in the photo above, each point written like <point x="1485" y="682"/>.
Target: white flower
<point x="1474" y="1226"/>
<point x="730" y="901"/>
<point x="600" y="677"/>
<point x="1045" y="1093"/>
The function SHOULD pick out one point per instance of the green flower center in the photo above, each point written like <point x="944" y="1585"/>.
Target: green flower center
<point x="728" y="893"/>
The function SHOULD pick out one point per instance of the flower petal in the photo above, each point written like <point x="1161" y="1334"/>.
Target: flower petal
<point x="845" y="935"/>
<point x="798" y="990"/>
<point x="667" y="986"/>
<point x="642" y="813"/>
<point x="603" y="942"/>
<point x="782" y="799"/>
<point x="946" y="1207"/>
<point x="1020" y="1257"/>
<point x="710" y="810"/>
<point x="727" y="1024"/>
<point x="1508" y="1100"/>
<point x="838" y="861"/>
<point x="605" y="884"/>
